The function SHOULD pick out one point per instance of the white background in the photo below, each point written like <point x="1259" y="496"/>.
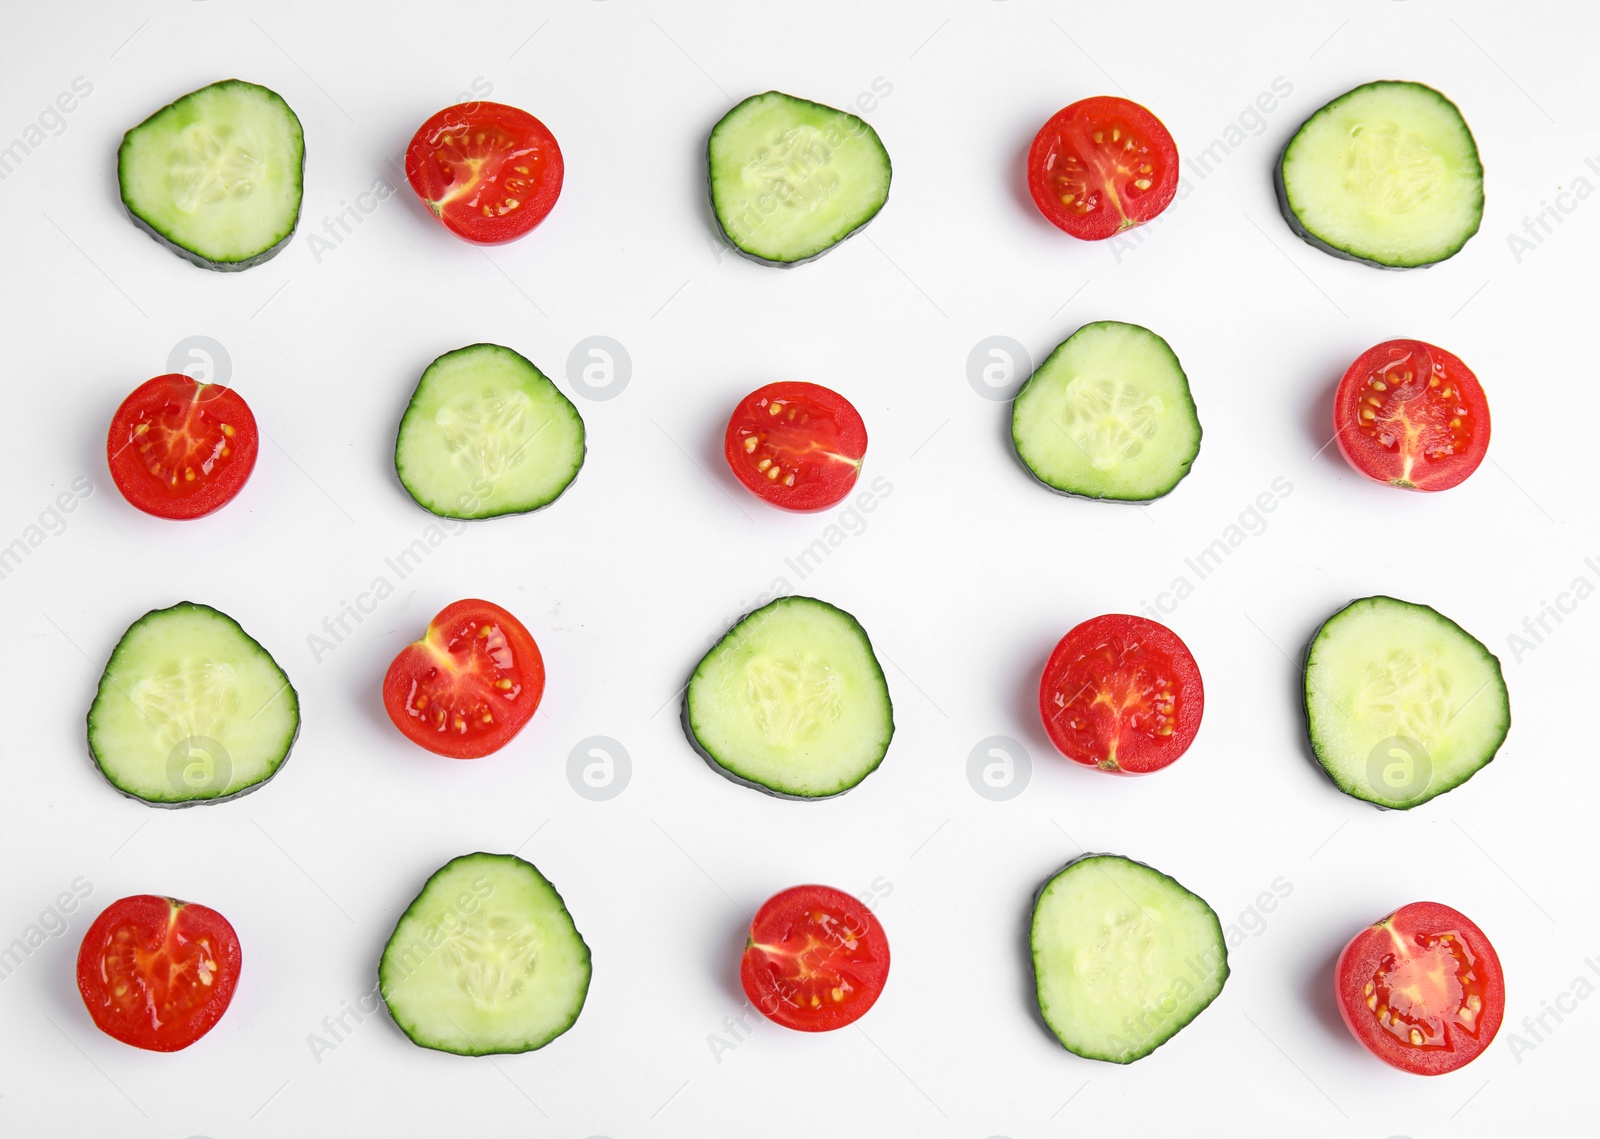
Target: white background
<point x="965" y="575"/>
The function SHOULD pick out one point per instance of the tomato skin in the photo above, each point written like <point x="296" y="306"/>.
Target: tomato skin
<point x="167" y="1004"/>
<point x="1122" y="662"/>
<point x="1437" y="434"/>
<point x="1406" y="948"/>
<point x="211" y="423"/>
<point x="480" y="660"/>
<point x="816" y="441"/>
<point x="519" y="159"/>
<point x="1102" y="177"/>
<point x="806" y="944"/>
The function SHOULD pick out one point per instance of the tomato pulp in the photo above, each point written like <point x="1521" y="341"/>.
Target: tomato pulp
<point x="1102" y="166"/>
<point x="1121" y="694"/>
<point x="488" y="172"/>
<point x="816" y="959"/>
<point x="799" y="446"/>
<point x="1422" y="989"/>
<point x="179" y="448"/>
<point x="470" y="685"/>
<point x="158" y="973"/>
<point x="1412" y="415"/>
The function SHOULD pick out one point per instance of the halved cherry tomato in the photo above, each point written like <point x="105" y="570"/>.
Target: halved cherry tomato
<point x="797" y="445"/>
<point x="1122" y="694"/>
<point x="1422" y="989"/>
<point x="1412" y="415"/>
<point x="472" y="682"/>
<point x="488" y="172"/>
<point x="816" y="959"/>
<point x="1102" y="166"/>
<point x="179" y="448"/>
<point x="158" y="973"/>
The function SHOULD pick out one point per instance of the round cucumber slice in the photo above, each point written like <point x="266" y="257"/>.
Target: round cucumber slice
<point x="1123" y="957"/>
<point x="1387" y="174"/>
<point x="1402" y="704"/>
<point x="790" y="178"/>
<point x="486" y="960"/>
<point x="191" y="709"/>
<point x="487" y="433"/>
<point x="791" y="701"/>
<point x="1108" y="416"/>
<point x="217" y="175"/>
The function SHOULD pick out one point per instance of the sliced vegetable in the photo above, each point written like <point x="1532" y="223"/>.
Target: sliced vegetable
<point x="1387" y="174"/>
<point x="790" y="179"/>
<point x="1422" y="989"/>
<point x="1121" y="694"/>
<point x="1102" y="166"/>
<point x="470" y="685"/>
<point x="486" y="960"/>
<point x="487" y="433"/>
<point x="191" y="709"/>
<point x="1402" y="704"/>
<point x="1108" y="415"/>
<point x="180" y="449"/>
<point x="791" y="701"/>
<point x="216" y="176"/>
<point x="158" y="973"/>
<point x="488" y="172"/>
<point x="1123" y="957"/>
<point x="816" y="959"/>
<point x="1412" y="415"/>
<point x="796" y="445"/>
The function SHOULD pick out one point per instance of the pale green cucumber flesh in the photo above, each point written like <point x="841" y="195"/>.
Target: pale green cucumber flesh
<point x="790" y="178"/>
<point x="1123" y="956"/>
<point x="1387" y="173"/>
<point x="487" y="433"/>
<point x="791" y="701"/>
<point x="191" y="709"/>
<point x="486" y="960"/>
<point x="216" y="176"/>
<point x="1108" y="415"/>
<point x="1402" y="704"/>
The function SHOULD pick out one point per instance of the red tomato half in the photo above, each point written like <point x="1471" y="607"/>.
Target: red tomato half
<point x="489" y="172"/>
<point x="158" y="973"/>
<point x="1102" y="166"/>
<point x="1411" y="415"/>
<point x="1422" y="989"/>
<point x="179" y="448"/>
<point x="816" y="959"/>
<point x="796" y="445"/>
<point x="470" y="684"/>
<point x="1122" y="694"/>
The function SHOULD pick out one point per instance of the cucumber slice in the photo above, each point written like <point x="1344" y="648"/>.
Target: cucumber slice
<point x="1387" y="174"/>
<point x="487" y="433"/>
<point x="191" y="709"/>
<point x="790" y="179"/>
<point x="216" y="176"/>
<point x="1108" y="415"/>
<point x="1123" y="957"/>
<point x="1402" y="704"/>
<point x="487" y="960"/>
<point x="791" y="701"/>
